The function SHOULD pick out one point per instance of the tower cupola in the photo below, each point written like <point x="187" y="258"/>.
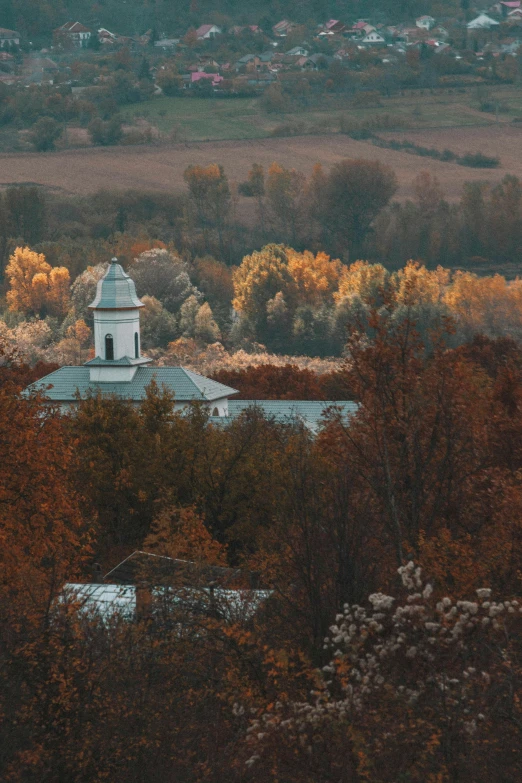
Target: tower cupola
<point x="116" y="312"/>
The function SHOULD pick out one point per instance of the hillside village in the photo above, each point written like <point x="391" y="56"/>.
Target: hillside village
<point x="230" y="58"/>
<point x="96" y="70"/>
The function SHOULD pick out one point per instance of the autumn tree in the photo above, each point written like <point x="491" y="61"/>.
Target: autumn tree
<point x="354" y="193"/>
<point x="161" y="274"/>
<point x="36" y="288"/>
<point x="81" y="334"/>
<point x="315" y="277"/>
<point x="419" y="684"/>
<point x="285" y="189"/>
<point x="26" y="213"/>
<point x="210" y="198"/>
<point x="261" y="276"/>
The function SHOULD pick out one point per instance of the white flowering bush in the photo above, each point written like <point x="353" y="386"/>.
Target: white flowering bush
<point x="417" y="688"/>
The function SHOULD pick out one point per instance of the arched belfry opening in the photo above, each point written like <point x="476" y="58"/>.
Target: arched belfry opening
<point x="136" y="345"/>
<point x="109" y="347"/>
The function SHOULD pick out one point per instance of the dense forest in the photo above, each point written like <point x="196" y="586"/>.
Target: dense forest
<point x="390" y="545"/>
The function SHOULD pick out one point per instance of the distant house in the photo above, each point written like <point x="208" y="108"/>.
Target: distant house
<point x="440" y="33"/>
<point x="9" y="38"/>
<point x="207" y="31"/>
<point x="482" y="22"/>
<point x="167" y="44"/>
<point x="335" y="26"/>
<point x="215" y="78"/>
<point x="247" y="62"/>
<point x="72" y="34"/>
<point x="507" y="6"/>
<point x="105" y="37"/>
<point x="373" y="39"/>
<point x="251" y="28"/>
<point x="297" y="51"/>
<point x="282" y="28"/>
<point x="425" y="22"/>
<point x="515" y="15"/>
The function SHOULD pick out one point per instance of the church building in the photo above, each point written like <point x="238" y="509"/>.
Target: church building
<point x="120" y="369"/>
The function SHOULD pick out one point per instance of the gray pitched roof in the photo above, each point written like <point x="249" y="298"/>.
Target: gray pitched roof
<point x="310" y="412"/>
<point x="186" y="386"/>
<point x="115" y="291"/>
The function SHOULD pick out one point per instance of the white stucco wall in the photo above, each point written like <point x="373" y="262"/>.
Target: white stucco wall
<point x="112" y="374"/>
<point x="122" y="324"/>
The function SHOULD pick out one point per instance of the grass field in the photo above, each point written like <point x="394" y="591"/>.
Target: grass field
<point x="206" y="119"/>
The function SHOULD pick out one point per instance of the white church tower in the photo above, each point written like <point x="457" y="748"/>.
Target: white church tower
<point x="116" y="311"/>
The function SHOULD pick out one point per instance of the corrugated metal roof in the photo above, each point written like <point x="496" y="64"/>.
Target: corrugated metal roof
<point x="115" y="291"/>
<point x="184" y="384"/>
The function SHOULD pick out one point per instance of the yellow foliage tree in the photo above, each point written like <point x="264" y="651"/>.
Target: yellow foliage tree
<point x="24" y="266"/>
<point x="59" y="291"/>
<point x="261" y="276"/>
<point x="35" y="287"/>
<point x="417" y="285"/>
<point x="489" y="305"/>
<point x="362" y="279"/>
<point x="315" y="277"/>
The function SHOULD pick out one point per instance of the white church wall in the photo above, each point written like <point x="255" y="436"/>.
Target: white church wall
<point x="122" y="325"/>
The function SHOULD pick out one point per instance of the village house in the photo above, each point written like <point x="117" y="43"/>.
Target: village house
<point x="214" y="78"/>
<point x="507" y="6"/>
<point x="9" y="38"/>
<point x="373" y="38"/>
<point x="71" y="34"/>
<point x="106" y="38"/>
<point x="425" y="22"/>
<point x="240" y="29"/>
<point x="282" y="28"/>
<point x="207" y="31"/>
<point x="334" y="27"/>
<point x="120" y="369"/>
<point x="39" y="70"/>
<point x="482" y="22"/>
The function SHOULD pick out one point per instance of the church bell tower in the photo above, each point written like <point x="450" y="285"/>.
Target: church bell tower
<point x="117" y="344"/>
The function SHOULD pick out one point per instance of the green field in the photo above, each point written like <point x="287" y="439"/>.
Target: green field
<point x="203" y="119"/>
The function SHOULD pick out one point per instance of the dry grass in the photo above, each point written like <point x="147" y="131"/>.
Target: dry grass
<point x="161" y="167"/>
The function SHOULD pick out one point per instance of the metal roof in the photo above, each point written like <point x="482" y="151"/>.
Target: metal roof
<point x="110" y="601"/>
<point x="148" y="567"/>
<point x="310" y="412"/>
<point x="115" y="291"/>
<point x="186" y="386"/>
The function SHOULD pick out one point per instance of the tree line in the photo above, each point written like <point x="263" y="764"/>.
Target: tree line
<point x="278" y="299"/>
<point x="348" y="212"/>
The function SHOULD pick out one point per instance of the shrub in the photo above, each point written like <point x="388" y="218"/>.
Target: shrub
<point x="479" y="161"/>
<point x="105" y="133"/>
<point x="44" y="134"/>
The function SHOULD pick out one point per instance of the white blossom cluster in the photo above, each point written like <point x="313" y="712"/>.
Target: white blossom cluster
<point x="417" y="649"/>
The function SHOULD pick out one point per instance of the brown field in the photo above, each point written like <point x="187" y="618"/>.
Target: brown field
<point x="161" y="167"/>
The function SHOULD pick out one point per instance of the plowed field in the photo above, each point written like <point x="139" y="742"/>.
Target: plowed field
<point x="161" y="167"/>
